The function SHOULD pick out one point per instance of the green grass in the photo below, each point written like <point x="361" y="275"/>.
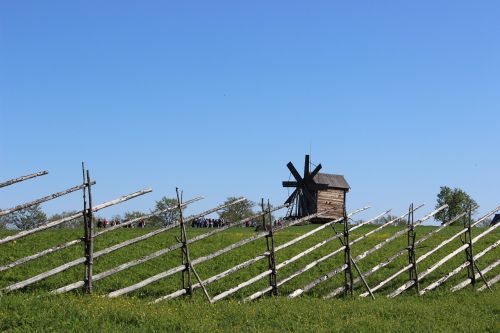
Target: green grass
<point x="439" y="310"/>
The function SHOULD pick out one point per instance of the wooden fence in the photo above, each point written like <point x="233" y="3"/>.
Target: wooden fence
<point x="187" y="268"/>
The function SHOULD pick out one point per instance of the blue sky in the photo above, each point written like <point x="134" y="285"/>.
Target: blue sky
<point x="216" y="97"/>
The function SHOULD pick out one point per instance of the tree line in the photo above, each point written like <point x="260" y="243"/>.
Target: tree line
<point x="35" y="216"/>
<point x="457" y="200"/>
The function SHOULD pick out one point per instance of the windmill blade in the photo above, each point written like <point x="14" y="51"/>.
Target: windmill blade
<point x="308" y="195"/>
<point x="290" y="184"/>
<point x="291" y="197"/>
<point x="303" y="206"/>
<point x="315" y="171"/>
<point x="294" y="172"/>
<point x="306" y="167"/>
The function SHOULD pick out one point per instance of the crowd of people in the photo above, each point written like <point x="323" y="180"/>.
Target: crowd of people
<point x="203" y="222"/>
<point x="103" y="223"/>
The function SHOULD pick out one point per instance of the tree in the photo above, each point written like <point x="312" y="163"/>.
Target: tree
<point x="132" y="215"/>
<point x="486" y="223"/>
<point x="27" y="218"/>
<point x="237" y="212"/>
<point x="166" y="218"/>
<point x="457" y="200"/>
<point x="387" y="218"/>
<point x="77" y="223"/>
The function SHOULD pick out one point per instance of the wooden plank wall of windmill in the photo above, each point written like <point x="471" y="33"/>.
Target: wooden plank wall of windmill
<point x="331" y="199"/>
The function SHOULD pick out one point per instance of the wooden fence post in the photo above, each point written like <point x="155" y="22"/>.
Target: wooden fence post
<point x="88" y="227"/>
<point x="270" y="249"/>
<point x="412" y="256"/>
<point x="186" y="273"/>
<point x="348" y="278"/>
<point x="468" y="251"/>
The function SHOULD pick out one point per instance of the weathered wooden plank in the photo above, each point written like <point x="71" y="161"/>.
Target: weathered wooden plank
<point x="23" y="178"/>
<point x="454" y="272"/>
<point x="477" y="276"/>
<point x="316" y="262"/>
<point x="395" y="256"/>
<point x="361" y="256"/>
<point x="268" y="272"/>
<point x="146" y="217"/>
<point x="144" y="259"/>
<point x="340" y="269"/>
<point x="278" y="267"/>
<point x="40" y="254"/>
<point x="77" y="241"/>
<point x="199" y="260"/>
<point x="490" y="283"/>
<point x="73" y="217"/>
<point x="441" y="262"/>
<point x="262" y="256"/>
<point x="44" y="275"/>
<point x="422" y="257"/>
<point x="42" y="200"/>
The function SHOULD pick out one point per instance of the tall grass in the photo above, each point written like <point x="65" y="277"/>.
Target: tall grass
<point x="32" y="308"/>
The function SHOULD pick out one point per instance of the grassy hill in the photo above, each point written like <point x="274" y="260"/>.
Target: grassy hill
<point x="440" y="310"/>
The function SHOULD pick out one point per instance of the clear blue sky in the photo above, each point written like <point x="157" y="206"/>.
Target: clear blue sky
<point x="217" y="96"/>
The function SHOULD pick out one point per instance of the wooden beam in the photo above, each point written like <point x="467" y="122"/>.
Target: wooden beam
<point x="309" y="266"/>
<point x="146" y="217"/>
<point x="424" y="256"/>
<point x="75" y="262"/>
<point x="262" y="256"/>
<point x="342" y="268"/>
<point x="41" y="200"/>
<point x="199" y="260"/>
<point x="73" y="217"/>
<point x="146" y="258"/>
<point x="490" y="283"/>
<point x="441" y="262"/>
<point x="23" y="178"/>
<point x="40" y="254"/>
<point x="395" y="256"/>
<point x="77" y="241"/>
<point x="466" y="282"/>
<point x="454" y="272"/>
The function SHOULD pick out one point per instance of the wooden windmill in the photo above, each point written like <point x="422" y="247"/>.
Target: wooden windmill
<point x="315" y="192"/>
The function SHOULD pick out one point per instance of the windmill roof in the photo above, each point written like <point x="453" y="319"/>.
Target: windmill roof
<point x="337" y="181"/>
<point x="495" y="220"/>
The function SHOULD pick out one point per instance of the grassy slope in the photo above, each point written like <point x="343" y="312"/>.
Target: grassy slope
<point x="439" y="310"/>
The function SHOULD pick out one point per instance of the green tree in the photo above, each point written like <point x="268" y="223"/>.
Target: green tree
<point x="387" y="218"/>
<point x="25" y="219"/>
<point x="132" y="215"/>
<point x="237" y="212"/>
<point x="166" y="218"/>
<point x="77" y="223"/>
<point x="457" y="200"/>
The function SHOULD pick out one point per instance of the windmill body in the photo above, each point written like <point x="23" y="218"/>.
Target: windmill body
<point x="315" y="192"/>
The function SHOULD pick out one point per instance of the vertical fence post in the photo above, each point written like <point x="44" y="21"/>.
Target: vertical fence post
<point x="348" y="278"/>
<point x="468" y="251"/>
<point x="85" y="229"/>
<point x="473" y="267"/>
<point x="412" y="256"/>
<point x="270" y="249"/>
<point x="186" y="273"/>
<point x="88" y="227"/>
